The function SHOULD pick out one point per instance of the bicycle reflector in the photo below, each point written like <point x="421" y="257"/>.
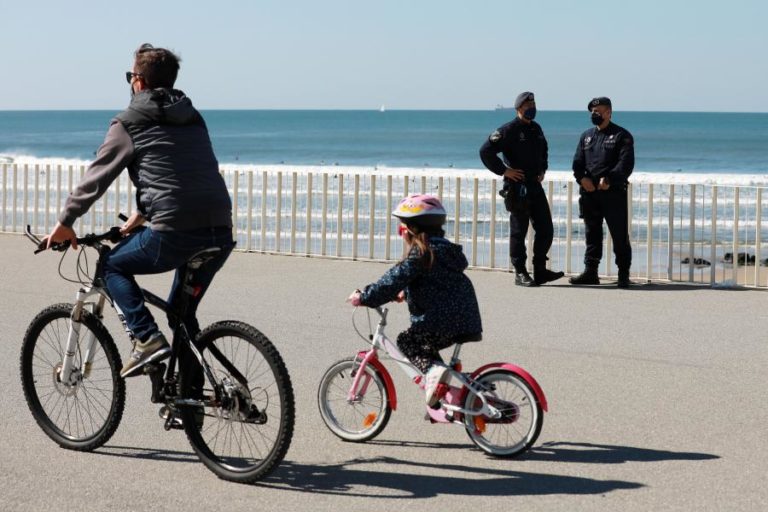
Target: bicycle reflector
<point x="369" y="419"/>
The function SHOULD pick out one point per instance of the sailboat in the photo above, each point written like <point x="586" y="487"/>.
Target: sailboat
<point x="382" y="109"/>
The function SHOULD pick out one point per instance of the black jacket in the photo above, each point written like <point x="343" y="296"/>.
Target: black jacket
<point x="522" y="145"/>
<point x="606" y="153"/>
<point x="441" y="299"/>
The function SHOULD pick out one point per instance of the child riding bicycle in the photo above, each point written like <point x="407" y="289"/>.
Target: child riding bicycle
<point x="441" y="298"/>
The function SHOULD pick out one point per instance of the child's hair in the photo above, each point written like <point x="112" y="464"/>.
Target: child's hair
<point x="418" y="237"/>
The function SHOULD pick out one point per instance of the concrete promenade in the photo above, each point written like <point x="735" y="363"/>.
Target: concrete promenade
<point x="657" y="401"/>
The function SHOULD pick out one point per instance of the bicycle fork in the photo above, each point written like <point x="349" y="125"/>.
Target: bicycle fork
<point x="69" y="375"/>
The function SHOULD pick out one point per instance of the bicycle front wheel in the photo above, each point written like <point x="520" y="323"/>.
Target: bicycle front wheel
<point x="83" y="413"/>
<point x="521" y="415"/>
<point x="353" y="415"/>
<point x="242" y="434"/>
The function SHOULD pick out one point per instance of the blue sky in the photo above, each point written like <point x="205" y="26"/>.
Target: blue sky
<point x="407" y="54"/>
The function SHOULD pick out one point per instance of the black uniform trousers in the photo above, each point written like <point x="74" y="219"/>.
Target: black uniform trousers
<point x="534" y="208"/>
<point x="610" y="205"/>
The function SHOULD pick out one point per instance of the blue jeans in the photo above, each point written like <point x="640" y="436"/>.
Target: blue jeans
<point x="146" y="251"/>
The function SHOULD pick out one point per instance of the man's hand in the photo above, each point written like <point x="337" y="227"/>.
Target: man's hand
<point x="514" y="174"/>
<point x="586" y="183"/>
<point x="354" y="298"/>
<point x="400" y="296"/>
<point x="135" y="220"/>
<point x="59" y="234"/>
<point x="604" y="184"/>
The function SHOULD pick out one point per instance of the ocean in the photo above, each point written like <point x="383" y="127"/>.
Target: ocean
<point x="665" y="142"/>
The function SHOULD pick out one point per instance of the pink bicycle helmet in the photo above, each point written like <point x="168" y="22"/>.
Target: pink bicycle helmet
<point x="420" y="209"/>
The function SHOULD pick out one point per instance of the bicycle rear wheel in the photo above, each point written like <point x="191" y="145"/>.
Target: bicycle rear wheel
<point x="360" y="418"/>
<point x="521" y="420"/>
<point x="85" y="414"/>
<point x="246" y="433"/>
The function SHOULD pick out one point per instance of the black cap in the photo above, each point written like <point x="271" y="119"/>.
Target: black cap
<point x="602" y="100"/>
<point x="522" y="98"/>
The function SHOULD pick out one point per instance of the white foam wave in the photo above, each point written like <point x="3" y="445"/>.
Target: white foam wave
<point x="657" y="178"/>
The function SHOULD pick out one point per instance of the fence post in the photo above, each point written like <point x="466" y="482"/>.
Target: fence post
<point x="569" y="228"/>
<point x="235" y="194"/>
<point x="670" y="230"/>
<point x="249" y="218"/>
<point x="340" y="216"/>
<point x="294" y="179"/>
<point x="264" y="186"/>
<point x="649" y="234"/>
<point x="691" y="231"/>
<point x="758" y="234"/>
<point x="47" y="197"/>
<point x="492" y="225"/>
<point x="308" y="235"/>
<point x="456" y="231"/>
<point x="372" y="217"/>
<point x="355" y="215"/>
<point x="735" y="266"/>
<point x="388" y="228"/>
<point x="713" y="247"/>
<point x="5" y="199"/>
<point x="324" y="219"/>
<point x="279" y="212"/>
<point x="15" y="195"/>
<point x="475" y="185"/>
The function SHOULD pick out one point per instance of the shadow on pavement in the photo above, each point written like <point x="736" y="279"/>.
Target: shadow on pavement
<point x="641" y="285"/>
<point x="589" y="453"/>
<point x="363" y="478"/>
<point x="147" y="454"/>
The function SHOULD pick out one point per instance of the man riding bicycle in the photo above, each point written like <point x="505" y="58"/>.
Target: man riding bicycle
<point x="163" y="141"/>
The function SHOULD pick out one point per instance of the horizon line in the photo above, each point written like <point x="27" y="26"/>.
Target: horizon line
<point x="510" y="109"/>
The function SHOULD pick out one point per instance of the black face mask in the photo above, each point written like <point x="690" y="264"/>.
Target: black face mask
<point x="530" y="113"/>
<point x="597" y="119"/>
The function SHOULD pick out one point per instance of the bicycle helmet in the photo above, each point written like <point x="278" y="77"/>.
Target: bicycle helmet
<point x="420" y="210"/>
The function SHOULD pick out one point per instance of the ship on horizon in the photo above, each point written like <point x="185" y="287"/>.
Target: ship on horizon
<point x="500" y="107"/>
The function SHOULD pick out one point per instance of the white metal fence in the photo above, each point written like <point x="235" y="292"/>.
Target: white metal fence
<point x="680" y="232"/>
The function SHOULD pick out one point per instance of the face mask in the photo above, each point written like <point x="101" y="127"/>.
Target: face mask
<point x="597" y="119"/>
<point x="530" y="113"/>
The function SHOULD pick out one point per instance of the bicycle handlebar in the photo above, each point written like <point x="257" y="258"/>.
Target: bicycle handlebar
<point x="90" y="240"/>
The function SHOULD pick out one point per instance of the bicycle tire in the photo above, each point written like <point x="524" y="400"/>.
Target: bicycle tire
<point x="268" y="381"/>
<point x="373" y="418"/>
<point x="41" y="355"/>
<point x="516" y="432"/>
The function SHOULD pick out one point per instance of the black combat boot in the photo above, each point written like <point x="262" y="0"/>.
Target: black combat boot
<point x="523" y="278"/>
<point x="541" y="274"/>
<point x="623" y="281"/>
<point x="589" y="276"/>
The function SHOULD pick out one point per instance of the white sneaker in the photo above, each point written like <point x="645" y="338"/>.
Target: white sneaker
<point x="436" y="375"/>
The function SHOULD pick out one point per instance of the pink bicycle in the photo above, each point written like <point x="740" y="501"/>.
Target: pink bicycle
<point x="500" y="405"/>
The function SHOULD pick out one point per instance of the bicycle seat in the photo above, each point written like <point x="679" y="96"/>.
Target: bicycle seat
<point x="469" y="338"/>
<point x="202" y="257"/>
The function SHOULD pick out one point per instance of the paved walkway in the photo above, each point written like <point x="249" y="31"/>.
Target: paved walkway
<point x="656" y="399"/>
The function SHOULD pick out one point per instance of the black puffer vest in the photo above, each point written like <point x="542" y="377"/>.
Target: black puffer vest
<point x="176" y="174"/>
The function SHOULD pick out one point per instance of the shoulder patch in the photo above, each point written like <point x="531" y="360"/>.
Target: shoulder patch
<point x="495" y="136"/>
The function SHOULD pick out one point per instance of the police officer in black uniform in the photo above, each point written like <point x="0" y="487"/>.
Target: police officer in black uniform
<point x="603" y="161"/>
<point x="524" y="149"/>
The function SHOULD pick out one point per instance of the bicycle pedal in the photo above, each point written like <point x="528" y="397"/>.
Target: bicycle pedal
<point x="436" y="406"/>
<point x="172" y="421"/>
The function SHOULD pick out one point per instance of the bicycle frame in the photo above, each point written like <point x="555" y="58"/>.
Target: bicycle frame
<point x="451" y="409"/>
<point x="69" y="376"/>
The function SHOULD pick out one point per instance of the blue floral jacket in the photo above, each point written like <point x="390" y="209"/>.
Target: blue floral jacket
<point x="441" y="299"/>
